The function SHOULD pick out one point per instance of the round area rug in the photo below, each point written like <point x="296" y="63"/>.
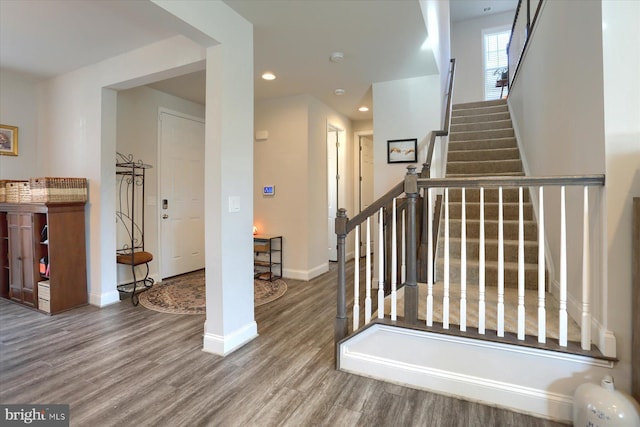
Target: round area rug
<point x="186" y="294"/>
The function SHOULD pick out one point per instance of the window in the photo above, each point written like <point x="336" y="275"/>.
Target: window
<point x="495" y="60"/>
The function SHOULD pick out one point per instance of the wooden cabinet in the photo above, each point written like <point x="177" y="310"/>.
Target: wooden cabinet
<point x="43" y="243"/>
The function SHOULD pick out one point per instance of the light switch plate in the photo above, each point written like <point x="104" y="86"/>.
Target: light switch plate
<point x="234" y="204"/>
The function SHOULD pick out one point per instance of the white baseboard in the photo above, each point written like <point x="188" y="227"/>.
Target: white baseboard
<point x="224" y="345"/>
<point x="525" y="380"/>
<point x="305" y="275"/>
<point x="104" y="299"/>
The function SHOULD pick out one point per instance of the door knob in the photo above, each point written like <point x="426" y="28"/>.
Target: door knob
<point x="165" y="216"/>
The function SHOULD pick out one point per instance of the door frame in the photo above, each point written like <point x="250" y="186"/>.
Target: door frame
<point x="164" y="110"/>
<point x="341" y="188"/>
<point x="357" y="162"/>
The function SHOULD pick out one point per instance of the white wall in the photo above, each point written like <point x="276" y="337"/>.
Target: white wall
<point x="403" y="109"/>
<point x="78" y="111"/>
<point x="18" y="107"/>
<point x="466" y="48"/>
<point x="137" y="134"/>
<point x="362" y="125"/>
<point x="281" y="160"/>
<point x="587" y="125"/>
<point x="228" y="171"/>
<point x="437" y="21"/>
<point x="622" y="146"/>
<point x="294" y="159"/>
<point x="561" y="131"/>
<point x="320" y="116"/>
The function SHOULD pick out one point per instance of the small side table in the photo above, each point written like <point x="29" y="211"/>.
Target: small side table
<point x="502" y="83"/>
<point x="267" y="260"/>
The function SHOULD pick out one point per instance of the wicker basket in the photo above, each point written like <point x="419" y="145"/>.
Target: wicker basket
<point x="58" y="189"/>
<point x="3" y="191"/>
<point x="17" y="192"/>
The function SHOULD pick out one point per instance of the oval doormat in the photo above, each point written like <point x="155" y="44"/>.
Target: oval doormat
<point x="186" y="294"/>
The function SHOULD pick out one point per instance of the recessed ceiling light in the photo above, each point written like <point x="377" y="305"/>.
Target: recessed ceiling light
<point x="363" y="109"/>
<point x="268" y="75"/>
<point x="339" y="92"/>
<point x="336" y="57"/>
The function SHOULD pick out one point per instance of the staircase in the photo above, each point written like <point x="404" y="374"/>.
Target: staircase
<point x="482" y="143"/>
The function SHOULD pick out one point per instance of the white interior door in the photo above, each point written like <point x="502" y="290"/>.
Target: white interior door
<point x="366" y="180"/>
<point x="336" y="190"/>
<point x="181" y="194"/>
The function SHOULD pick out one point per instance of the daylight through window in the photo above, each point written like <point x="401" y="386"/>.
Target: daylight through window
<point x="495" y="62"/>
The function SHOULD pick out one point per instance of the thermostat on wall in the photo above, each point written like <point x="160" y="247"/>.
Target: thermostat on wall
<point x="269" y="190"/>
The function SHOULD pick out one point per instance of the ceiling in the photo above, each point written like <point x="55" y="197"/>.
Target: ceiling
<point x="461" y="10"/>
<point x="381" y="40"/>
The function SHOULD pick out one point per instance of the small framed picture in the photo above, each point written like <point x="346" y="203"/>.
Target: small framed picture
<point x="402" y="151"/>
<point x="8" y="140"/>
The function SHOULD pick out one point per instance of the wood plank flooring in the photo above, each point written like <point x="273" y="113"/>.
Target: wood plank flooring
<point x="129" y="366"/>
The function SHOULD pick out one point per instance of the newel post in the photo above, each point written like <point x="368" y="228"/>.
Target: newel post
<point x="341" y="328"/>
<point x="411" y="285"/>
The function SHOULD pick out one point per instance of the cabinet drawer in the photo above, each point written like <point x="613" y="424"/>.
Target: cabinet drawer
<point x="43" y="304"/>
<point x="44" y="290"/>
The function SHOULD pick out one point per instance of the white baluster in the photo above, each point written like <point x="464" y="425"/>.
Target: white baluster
<point x="445" y="299"/>
<point x="542" y="311"/>
<point x="463" y="264"/>
<point x="500" y="267"/>
<point x="356" y="282"/>
<point x="381" y="262"/>
<point x="586" y="276"/>
<point x="367" y="284"/>
<point x="481" y="270"/>
<point x="563" y="270"/>
<point x="521" y="309"/>
<point x="429" y="259"/>
<point x="394" y="263"/>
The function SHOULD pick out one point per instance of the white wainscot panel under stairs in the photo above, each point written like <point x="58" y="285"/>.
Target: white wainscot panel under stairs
<point x="522" y="379"/>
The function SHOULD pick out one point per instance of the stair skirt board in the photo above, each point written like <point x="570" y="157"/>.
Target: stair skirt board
<point x="526" y="380"/>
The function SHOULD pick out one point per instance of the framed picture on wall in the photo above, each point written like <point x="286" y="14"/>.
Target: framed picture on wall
<point x="8" y="140"/>
<point x="402" y="151"/>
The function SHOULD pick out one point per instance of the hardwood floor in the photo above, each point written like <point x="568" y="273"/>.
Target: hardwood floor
<point x="129" y="366"/>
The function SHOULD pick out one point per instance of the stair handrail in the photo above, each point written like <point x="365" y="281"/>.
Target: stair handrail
<point x="510" y="181"/>
<point x="526" y="20"/>
<point x="383" y="201"/>
<point x="426" y="167"/>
